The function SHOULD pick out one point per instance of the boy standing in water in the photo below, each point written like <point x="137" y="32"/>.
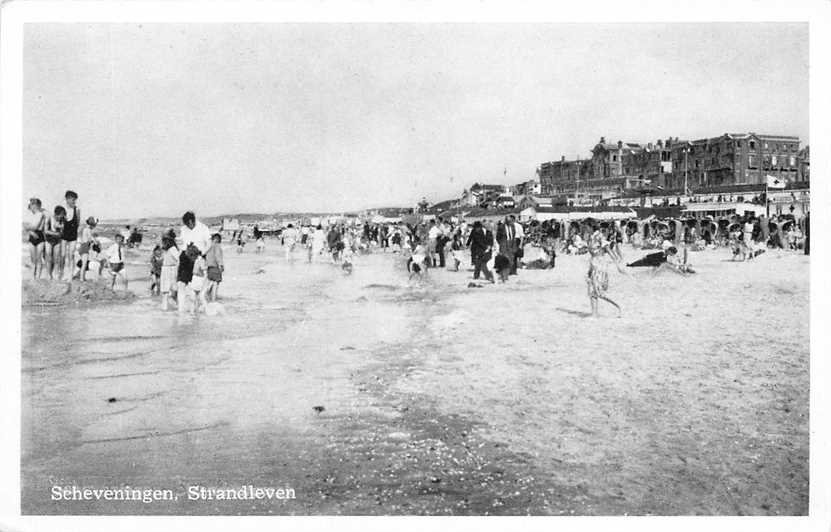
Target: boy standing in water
<point x="216" y="265"/>
<point x="156" y="262"/>
<point x="115" y="258"/>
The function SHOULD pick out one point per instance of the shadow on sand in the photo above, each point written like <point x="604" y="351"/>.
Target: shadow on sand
<point x="578" y="313"/>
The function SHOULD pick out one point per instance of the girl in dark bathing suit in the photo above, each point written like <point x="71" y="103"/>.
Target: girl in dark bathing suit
<point x="52" y="233"/>
<point x="184" y="274"/>
<point x="34" y="225"/>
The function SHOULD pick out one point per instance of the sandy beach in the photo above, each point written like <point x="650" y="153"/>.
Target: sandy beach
<point x="437" y="398"/>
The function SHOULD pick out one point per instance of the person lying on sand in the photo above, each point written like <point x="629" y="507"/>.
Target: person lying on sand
<point x="662" y="260"/>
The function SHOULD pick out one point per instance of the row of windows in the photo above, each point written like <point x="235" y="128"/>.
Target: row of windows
<point x="772" y="160"/>
<point x="770" y="146"/>
<point x="775" y="146"/>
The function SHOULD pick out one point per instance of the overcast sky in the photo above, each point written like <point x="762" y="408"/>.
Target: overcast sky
<point x="149" y="119"/>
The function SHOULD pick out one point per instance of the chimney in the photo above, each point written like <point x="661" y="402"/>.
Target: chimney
<point x="563" y="158"/>
<point x="649" y="146"/>
<point x="619" y="144"/>
<point x="660" y="143"/>
<point x="602" y="140"/>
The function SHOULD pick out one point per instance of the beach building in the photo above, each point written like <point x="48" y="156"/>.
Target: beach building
<point x="703" y="165"/>
<point x="480" y="195"/>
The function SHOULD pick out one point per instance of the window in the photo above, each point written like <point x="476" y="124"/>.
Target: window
<point x="751" y="161"/>
<point x="752" y="145"/>
<point x="766" y="145"/>
<point x="791" y="161"/>
<point x="738" y="144"/>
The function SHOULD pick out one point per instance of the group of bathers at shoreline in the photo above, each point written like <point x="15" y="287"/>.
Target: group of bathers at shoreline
<point x="58" y="243"/>
<point x="65" y="250"/>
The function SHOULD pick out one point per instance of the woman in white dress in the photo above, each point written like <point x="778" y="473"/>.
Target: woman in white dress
<point x="318" y="242"/>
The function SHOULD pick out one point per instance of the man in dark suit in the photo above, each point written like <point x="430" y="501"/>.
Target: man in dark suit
<point x="480" y="242"/>
<point x="506" y="236"/>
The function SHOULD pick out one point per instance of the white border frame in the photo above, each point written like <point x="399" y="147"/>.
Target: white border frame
<point x="14" y="14"/>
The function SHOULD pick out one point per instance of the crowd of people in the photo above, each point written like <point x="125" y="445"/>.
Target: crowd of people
<point x="187" y="268"/>
<point x="61" y="249"/>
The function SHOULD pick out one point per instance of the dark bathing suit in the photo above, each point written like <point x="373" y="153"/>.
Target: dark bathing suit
<point x="70" y="227"/>
<point x="185" y="272"/>
<point x="37" y="238"/>
<point x="52" y="239"/>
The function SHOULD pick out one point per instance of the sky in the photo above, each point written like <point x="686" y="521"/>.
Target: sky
<point x="155" y="119"/>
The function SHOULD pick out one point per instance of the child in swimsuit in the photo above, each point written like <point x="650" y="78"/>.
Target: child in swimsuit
<point x="69" y="235"/>
<point x="170" y="264"/>
<point x="156" y="261"/>
<point x="115" y="258"/>
<point x="216" y="266"/>
<point x="84" y="245"/>
<point x="184" y="274"/>
<point x="34" y="224"/>
<point x="198" y="283"/>
<point x="52" y="234"/>
<point x="416" y="264"/>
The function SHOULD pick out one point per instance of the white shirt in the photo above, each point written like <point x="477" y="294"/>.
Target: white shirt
<point x="434" y="232"/>
<point x="200" y="236"/>
<point x="520" y="232"/>
<point x="115" y="255"/>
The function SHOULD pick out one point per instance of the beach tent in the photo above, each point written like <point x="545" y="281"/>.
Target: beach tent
<point x="230" y="224"/>
<point x="700" y="210"/>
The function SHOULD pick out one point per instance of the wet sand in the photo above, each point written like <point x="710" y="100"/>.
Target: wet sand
<point x="437" y="398"/>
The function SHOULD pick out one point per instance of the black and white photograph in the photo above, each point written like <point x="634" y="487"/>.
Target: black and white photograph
<point x="415" y="267"/>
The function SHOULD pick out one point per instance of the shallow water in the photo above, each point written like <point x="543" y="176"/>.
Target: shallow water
<point x="126" y="394"/>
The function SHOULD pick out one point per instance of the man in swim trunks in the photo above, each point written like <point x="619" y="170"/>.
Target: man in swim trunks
<point x="69" y="237"/>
